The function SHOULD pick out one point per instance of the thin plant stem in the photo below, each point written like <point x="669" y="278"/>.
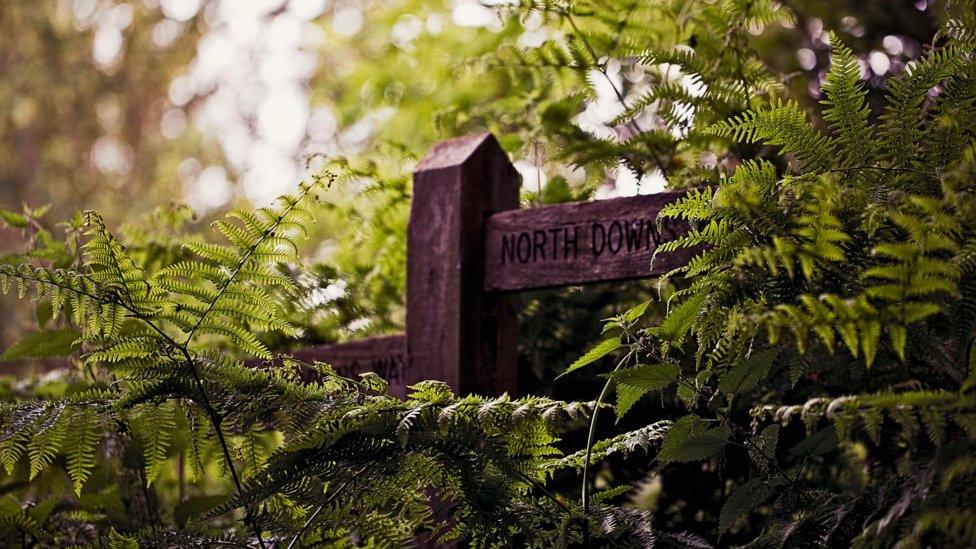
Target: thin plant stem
<point x="331" y="497"/>
<point x="613" y="85"/>
<point x="204" y="399"/>
<point x="590" y="440"/>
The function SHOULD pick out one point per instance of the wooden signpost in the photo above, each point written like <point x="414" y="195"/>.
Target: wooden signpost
<point x="470" y="247"/>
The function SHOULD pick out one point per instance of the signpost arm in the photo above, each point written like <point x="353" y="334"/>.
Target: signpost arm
<point x="456" y="332"/>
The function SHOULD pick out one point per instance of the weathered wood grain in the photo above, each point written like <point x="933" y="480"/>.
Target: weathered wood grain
<point x="580" y="242"/>
<point x="456" y="332"/>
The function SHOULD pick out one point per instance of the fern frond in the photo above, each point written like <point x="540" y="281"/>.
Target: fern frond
<point x="231" y="301"/>
<point x="783" y="124"/>
<point x="154" y="424"/>
<point x="82" y="440"/>
<point x="847" y="110"/>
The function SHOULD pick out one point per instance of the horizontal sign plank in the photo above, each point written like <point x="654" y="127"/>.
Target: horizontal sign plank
<point x="385" y="355"/>
<point x="580" y="242"/>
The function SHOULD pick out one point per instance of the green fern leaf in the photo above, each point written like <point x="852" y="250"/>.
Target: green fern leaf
<point x="43" y="344"/>
<point x="46" y="441"/>
<point x="82" y="440"/>
<point x="155" y="425"/>
<point x="847" y="110"/>
<point x="649" y="377"/>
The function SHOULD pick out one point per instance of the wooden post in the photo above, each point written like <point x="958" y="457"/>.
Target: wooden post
<point x="456" y="332"/>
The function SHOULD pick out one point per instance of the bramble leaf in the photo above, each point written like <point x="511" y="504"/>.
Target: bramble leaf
<point x="745" y="498"/>
<point x="601" y="350"/>
<point x="649" y="377"/>
<point x="690" y="439"/>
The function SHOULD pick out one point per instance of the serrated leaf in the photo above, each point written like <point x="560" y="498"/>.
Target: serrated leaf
<point x="432" y="391"/>
<point x="745" y="498"/>
<point x="680" y="319"/>
<point x="649" y="377"/>
<point x="155" y="427"/>
<point x="747" y="374"/>
<point x="611" y="493"/>
<point x="14" y="219"/>
<point x="636" y="312"/>
<point x="627" y="396"/>
<point x="898" y="335"/>
<point x="601" y="350"/>
<point x="83" y="437"/>
<point x="690" y="439"/>
<point x="43" y="344"/>
<point x="820" y="442"/>
<point x="870" y="333"/>
<point x="45" y="445"/>
<point x="688" y="395"/>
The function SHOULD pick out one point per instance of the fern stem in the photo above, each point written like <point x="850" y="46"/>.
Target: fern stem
<point x="204" y="398"/>
<point x="331" y="497"/>
<point x="590" y="441"/>
<point x="243" y="262"/>
<point x="216" y="420"/>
